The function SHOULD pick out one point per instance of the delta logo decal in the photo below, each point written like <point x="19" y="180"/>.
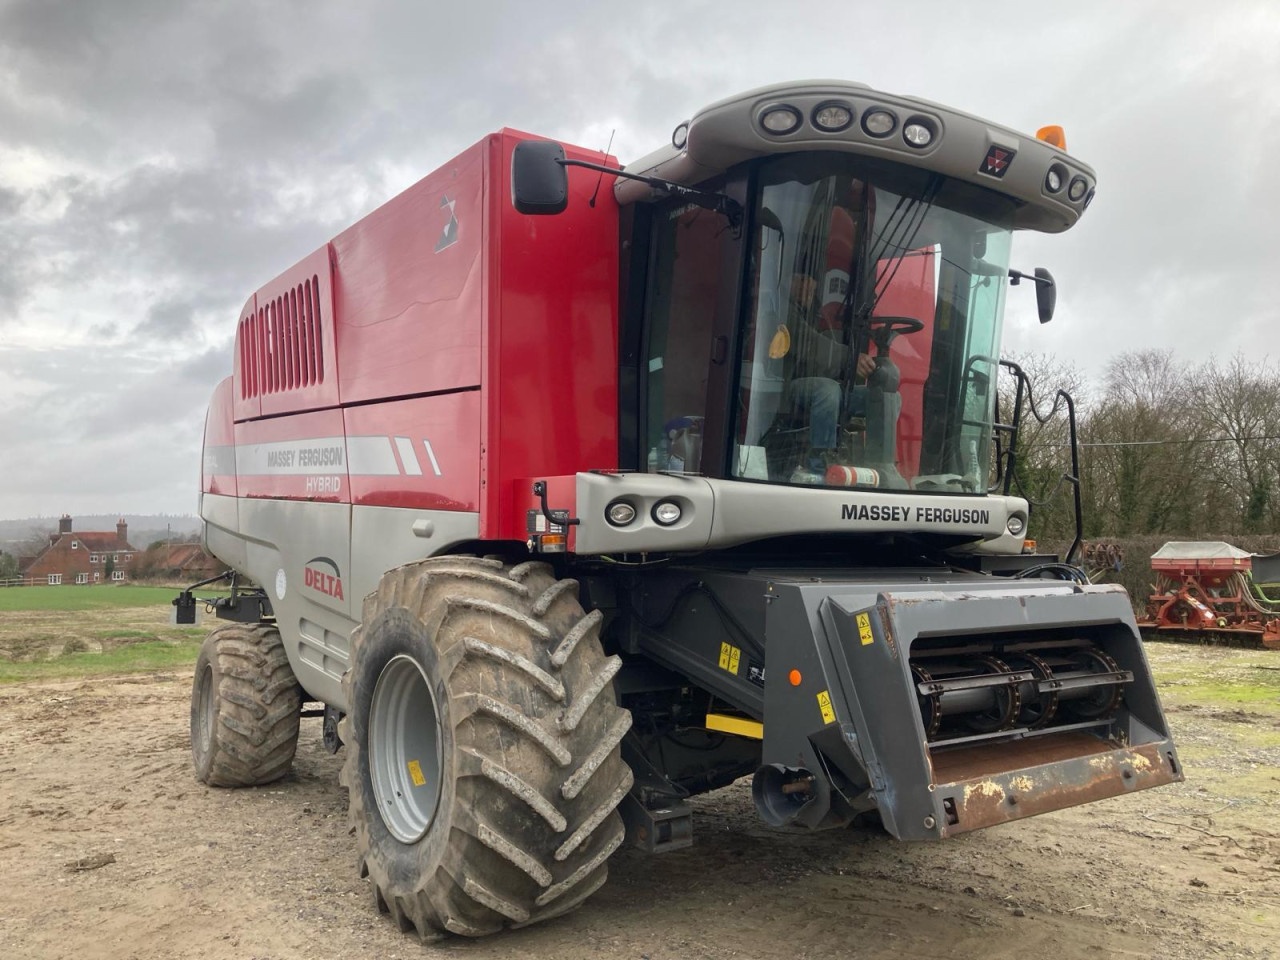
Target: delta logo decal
<point x="322" y="575"/>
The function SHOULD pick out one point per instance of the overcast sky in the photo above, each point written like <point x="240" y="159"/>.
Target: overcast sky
<point x="161" y="159"/>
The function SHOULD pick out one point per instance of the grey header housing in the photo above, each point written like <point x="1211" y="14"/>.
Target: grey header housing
<point x="729" y="132"/>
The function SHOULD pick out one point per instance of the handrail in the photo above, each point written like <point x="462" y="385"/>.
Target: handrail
<point x="1061" y="398"/>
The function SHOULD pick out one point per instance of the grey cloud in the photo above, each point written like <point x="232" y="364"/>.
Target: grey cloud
<point x="207" y="146"/>
<point x="167" y="319"/>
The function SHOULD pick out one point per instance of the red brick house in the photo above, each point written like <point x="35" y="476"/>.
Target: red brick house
<point x="89" y="557"/>
<point x="185" y="561"/>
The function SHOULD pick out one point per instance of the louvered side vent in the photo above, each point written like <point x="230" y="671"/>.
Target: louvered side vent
<point x="281" y="347"/>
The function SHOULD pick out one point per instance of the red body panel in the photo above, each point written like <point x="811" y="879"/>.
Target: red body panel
<point x="437" y="353"/>
<point x="218" y="465"/>
<point x="551" y="376"/>
<point x="431" y="442"/>
<point x="301" y="457"/>
<point x="409" y="288"/>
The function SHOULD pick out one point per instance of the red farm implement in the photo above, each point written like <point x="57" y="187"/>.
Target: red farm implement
<point x="1214" y="592"/>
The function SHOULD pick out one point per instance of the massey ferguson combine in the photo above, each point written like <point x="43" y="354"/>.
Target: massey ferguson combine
<point x="571" y="492"/>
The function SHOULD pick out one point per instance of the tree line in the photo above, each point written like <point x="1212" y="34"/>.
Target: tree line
<point x="1166" y="447"/>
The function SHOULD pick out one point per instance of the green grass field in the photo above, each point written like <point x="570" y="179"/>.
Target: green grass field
<point x="146" y="656"/>
<point x="75" y="631"/>
<point x="95" y="597"/>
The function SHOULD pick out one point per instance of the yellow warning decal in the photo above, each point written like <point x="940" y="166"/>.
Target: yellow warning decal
<point x="824" y="704"/>
<point x="729" y="658"/>
<point x="864" y="628"/>
<point x="415" y="774"/>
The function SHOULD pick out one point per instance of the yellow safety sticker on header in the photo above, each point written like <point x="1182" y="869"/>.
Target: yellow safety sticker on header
<point x="864" y="628"/>
<point x="729" y="658"/>
<point x="824" y="704"/>
<point x="415" y="774"/>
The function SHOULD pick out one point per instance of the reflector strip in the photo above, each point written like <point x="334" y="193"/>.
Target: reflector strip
<point x="431" y="455"/>
<point x="407" y="457"/>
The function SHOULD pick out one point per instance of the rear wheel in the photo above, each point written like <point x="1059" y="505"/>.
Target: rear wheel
<point x="245" y="707"/>
<point x="483" y="757"/>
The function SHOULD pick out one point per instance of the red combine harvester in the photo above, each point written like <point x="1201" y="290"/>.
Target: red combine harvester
<point x="567" y="492"/>
<point x="1214" y="592"/>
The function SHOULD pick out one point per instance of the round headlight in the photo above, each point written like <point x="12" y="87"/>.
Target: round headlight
<point x="918" y="133"/>
<point x="832" y="117"/>
<point x="1016" y="525"/>
<point x="620" y="513"/>
<point x="780" y="120"/>
<point x="1077" y="189"/>
<point x="680" y="135"/>
<point x="879" y="123"/>
<point x="666" y="512"/>
<point x="1054" y="178"/>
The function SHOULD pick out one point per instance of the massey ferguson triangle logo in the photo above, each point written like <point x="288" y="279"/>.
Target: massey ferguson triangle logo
<point x="449" y="236"/>
<point x="322" y="574"/>
<point x="998" y="161"/>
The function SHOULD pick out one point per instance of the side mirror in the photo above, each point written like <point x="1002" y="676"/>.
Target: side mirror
<point x="1046" y="294"/>
<point x="539" y="182"/>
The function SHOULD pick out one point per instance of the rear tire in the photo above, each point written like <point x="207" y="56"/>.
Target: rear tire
<point x="245" y="707"/>
<point x="483" y="758"/>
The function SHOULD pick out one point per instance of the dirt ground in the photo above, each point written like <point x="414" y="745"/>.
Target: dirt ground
<point x="109" y="848"/>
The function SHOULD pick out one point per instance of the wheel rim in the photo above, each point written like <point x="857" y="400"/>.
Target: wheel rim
<point x="206" y="709"/>
<point x="404" y="749"/>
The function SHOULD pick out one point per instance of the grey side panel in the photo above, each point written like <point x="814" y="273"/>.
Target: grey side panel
<point x="383" y="538"/>
<point x="221" y="534"/>
<point x="317" y="561"/>
<point x="300" y="554"/>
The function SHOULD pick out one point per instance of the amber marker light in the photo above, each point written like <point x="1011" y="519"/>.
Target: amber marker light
<point x="1053" y="135"/>
<point x="794" y="677"/>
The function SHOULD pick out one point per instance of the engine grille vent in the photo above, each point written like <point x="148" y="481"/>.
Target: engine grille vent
<point x="281" y="345"/>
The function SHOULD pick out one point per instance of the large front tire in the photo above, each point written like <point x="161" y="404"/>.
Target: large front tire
<point x="483" y="759"/>
<point x="245" y="707"/>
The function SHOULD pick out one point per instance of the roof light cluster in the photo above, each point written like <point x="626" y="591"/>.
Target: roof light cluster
<point x="1078" y="188"/>
<point x="836" y="116"/>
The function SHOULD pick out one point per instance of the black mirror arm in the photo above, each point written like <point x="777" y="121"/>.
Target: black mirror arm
<point x="1016" y="276"/>
<point x="727" y="207"/>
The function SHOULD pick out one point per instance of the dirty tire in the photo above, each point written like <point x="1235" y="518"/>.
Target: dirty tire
<point x="245" y="707"/>
<point x="519" y="822"/>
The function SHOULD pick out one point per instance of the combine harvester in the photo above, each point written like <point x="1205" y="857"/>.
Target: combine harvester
<point x="1214" y="593"/>
<point x="569" y="492"/>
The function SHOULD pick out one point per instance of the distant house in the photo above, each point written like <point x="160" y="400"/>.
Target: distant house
<point x="89" y="557"/>
<point x="184" y="560"/>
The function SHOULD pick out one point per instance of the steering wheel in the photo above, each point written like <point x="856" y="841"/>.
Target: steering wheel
<point x="884" y="329"/>
<point x="895" y="324"/>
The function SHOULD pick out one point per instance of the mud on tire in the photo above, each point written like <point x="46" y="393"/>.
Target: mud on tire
<point x="506" y="814"/>
<point x="245" y="707"/>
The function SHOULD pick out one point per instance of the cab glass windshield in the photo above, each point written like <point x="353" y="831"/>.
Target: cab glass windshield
<point x="871" y="327"/>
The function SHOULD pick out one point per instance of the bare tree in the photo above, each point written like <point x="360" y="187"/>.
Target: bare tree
<point x="1240" y="408"/>
<point x="1142" y="461"/>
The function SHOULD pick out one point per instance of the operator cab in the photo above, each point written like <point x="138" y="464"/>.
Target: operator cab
<point x="855" y="342"/>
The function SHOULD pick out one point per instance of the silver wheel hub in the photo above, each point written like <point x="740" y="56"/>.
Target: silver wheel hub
<point x="404" y="749"/>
